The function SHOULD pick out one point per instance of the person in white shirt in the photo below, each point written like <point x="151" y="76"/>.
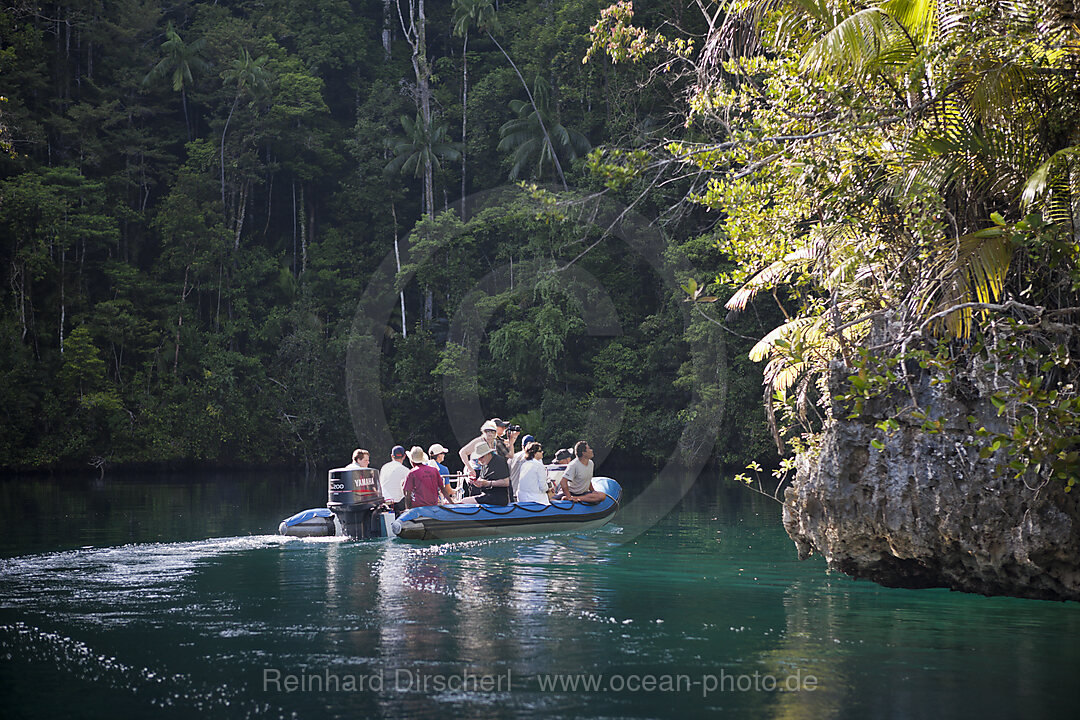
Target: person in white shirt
<point x="392" y="478"/>
<point x="515" y="463"/>
<point x="532" y="480"/>
<point x="361" y="458"/>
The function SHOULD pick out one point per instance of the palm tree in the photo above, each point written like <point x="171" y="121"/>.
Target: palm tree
<point x="181" y="63"/>
<point x="536" y="137"/>
<point x="418" y="154"/>
<point x="485" y="19"/>
<point x="466" y="14"/>
<point x="420" y="150"/>
<point x="247" y="75"/>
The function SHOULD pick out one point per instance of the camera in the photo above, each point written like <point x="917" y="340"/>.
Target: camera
<point x="514" y="428"/>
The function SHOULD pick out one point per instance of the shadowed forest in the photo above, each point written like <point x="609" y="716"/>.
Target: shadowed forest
<point x="194" y="196"/>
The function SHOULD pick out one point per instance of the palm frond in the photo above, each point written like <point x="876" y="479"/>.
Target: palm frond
<point x="780" y="374"/>
<point x="797" y="347"/>
<point x="997" y="87"/>
<point x="1039" y="183"/>
<point x="769" y="277"/>
<point x="918" y="17"/>
<point x="974" y="270"/>
<point x="856" y="42"/>
<point x="766" y="345"/>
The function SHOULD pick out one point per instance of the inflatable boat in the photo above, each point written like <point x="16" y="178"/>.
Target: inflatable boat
<point x="449" y="522"/>
<point x="357" y="510"/>
<point x="317" y="522"/>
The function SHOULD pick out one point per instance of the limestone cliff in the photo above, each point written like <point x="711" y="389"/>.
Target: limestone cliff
<point x="927" y="511"/>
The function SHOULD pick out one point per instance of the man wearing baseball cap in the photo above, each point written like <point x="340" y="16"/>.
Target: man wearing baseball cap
<point x="505" y="436"/>
<point x="392" y="478"/>
<point x="563" y="456"/>
<point x="436" y="455"/>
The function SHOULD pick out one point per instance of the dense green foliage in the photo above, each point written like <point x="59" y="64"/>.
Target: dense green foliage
<point x="903" y="174"/>
<point x="193" y="196"/>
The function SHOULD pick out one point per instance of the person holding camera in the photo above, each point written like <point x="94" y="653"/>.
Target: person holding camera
<point x="506" y="438"/>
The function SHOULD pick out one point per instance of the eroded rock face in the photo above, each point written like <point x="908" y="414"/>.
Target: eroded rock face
<point x="926" y="511"/>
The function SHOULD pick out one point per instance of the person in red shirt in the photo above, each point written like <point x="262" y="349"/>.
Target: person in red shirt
<point x="423" y="484"/>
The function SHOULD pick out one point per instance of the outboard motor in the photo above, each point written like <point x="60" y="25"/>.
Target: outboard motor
<point x="354" y="496"/>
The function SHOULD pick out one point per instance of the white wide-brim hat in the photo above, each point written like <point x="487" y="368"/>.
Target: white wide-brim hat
<point x="482" y="449"/>
<point x="417" y="454"/>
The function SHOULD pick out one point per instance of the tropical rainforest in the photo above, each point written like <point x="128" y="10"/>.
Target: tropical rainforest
<point x="194" y="196"/>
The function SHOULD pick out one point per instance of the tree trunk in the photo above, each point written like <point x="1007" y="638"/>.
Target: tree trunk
<point x="217" y="305"/>
<point x="180" y="321"/>
<point x="397" y="258"/>
<point x="269" y="196"/>
<point x="429" y="188"/>
<point x="294" y="226"/>
<point x="416" y="35"/>
<point x="18" y="275"/>
<point x="187" y="122"/>
<point x="225" y="130"/>
<point x="387" y="30"/>
<point x="423" y="77"/>
<point x="241" y="212"/>
<point x="303" y="232"/>
<point x="63" y="305"/>
<point x="464" y="114"/>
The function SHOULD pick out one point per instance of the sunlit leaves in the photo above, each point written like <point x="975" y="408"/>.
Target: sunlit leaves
<point x="621" y="41"/>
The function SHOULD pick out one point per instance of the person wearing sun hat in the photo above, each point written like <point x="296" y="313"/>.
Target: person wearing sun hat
<point x="487" y="435"/>
<point x="494" y="478"/>
<point x="423" y="484"/>
<point x="436" y="455"/>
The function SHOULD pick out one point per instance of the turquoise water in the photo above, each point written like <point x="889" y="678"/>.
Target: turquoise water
<point x="114" y="604"/>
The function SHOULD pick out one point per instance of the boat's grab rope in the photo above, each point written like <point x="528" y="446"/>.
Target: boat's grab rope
<point x="511" y="507"/>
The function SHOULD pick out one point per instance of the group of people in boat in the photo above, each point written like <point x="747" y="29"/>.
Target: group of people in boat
<point x="494" y="473"/>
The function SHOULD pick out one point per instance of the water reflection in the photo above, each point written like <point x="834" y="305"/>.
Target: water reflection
<point x="487" y="600"/>
<point x="714" y="590"/>
<point x="925" y="653"/>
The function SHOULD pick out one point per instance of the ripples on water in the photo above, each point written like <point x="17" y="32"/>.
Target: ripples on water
<point x="184" y="629"/>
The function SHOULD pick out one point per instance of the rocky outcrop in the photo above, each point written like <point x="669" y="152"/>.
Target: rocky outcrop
<point x="926" y="511"/>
